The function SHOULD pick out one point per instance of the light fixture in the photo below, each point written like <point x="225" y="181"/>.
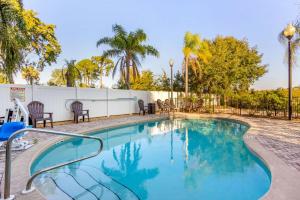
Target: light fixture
<point x="289" y="31"/>
<point x="171" y="62"/>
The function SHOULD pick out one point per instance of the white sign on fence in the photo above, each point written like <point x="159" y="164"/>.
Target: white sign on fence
<point x="17" y="92"/>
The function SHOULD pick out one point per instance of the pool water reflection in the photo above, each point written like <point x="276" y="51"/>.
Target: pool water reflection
<point x="180" y="159"/>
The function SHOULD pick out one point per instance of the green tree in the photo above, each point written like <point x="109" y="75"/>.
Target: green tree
<point x="3" y="79"/>
<point x="234" y="67"/>
<point x="127" y="48"/>
<point x="57" y="78"/>
<point x="88" y="71"/>
<point x="13" y="38"/>
<point x="178" y="84"/>
<point x="144" y="82"/>
<point x="105" y="66"/>
<point x="163" y="82"/>
<point x="43" y="42"/>
<point x="30" y="74"/>
<point x="23" y="37"/>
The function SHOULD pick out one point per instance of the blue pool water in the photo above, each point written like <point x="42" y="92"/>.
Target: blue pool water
<point x="180" y="159"/>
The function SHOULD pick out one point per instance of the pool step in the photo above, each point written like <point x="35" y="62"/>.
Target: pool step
<point x="123" y="191"/>
<point x="81" y="189"/>
<point x="89" y="183"/>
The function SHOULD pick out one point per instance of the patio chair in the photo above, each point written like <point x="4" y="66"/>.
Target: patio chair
<point x="173" y="106"/>
<point x="142" y="107"/>
<point x="188" y="106"/>
<point x="160" y="105"/>
<point x="77" y="109"/>
<point x="167" y="105"/>
<point x="198" y="105"/>
<point x="36" y="113"/>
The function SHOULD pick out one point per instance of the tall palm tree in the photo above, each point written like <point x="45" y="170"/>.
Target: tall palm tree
<point x="127" y="48"/>
<point x="13" y="38"/>
<point x="195" y="50"/>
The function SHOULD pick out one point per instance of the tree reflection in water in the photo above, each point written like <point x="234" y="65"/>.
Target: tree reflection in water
<point x="127" y="170"/>
<point x="214" y="147"/>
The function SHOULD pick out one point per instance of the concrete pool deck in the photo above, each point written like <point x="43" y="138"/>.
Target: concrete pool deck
<point x="276" y="142"/>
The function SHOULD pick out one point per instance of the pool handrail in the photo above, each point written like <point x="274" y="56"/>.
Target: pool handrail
<point x="29" y="187"/>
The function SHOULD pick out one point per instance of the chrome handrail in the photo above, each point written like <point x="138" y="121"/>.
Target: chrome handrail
<point x="29" y="182"/>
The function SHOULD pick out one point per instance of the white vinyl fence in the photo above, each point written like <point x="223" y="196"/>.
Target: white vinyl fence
<point x="100" y="102"/>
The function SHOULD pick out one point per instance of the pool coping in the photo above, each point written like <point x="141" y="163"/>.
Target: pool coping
<point x="284" y="180"/>
<point x="20" y="176"/>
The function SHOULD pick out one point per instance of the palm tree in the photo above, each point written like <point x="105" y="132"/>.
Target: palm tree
<point x="71" y="73"/>
<point x="195" y="50"/>
<point x="127" y="48"/>
<point x="105" y="65"/>
<point x="13" y="38"/>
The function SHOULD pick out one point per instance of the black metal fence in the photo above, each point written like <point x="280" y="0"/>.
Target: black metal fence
<point x="263" y="108"/>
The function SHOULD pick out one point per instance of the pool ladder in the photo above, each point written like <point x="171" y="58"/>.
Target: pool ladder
<point x="29" y="188"/>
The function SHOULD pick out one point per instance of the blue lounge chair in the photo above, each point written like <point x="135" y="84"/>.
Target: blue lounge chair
<point x="7" y="129"/>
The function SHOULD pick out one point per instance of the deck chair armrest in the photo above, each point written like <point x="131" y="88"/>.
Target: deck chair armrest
<point x="48" y="113"/>
<point x="87" y="111"/>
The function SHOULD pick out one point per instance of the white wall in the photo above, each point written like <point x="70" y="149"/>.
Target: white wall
<point x="100" y="102"/>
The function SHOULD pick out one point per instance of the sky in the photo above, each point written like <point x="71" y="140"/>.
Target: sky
<point x="79" y="24"/>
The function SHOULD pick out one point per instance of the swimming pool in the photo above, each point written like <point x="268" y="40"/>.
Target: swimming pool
<point x="178" y="159"/>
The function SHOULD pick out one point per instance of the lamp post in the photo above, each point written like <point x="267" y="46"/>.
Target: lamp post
<point x="289" y="32"/>
<point x="171" y="63"/>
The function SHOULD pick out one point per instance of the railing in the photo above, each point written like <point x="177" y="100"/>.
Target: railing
<point x="29" y="187"/>
<point x="277" y="109"/>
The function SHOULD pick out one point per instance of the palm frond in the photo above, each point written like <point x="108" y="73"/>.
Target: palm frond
<point x="112" y="53"/>
<point x="140" y="35"/>
<point x="150" y="50"/>
<point x="105" y="40"/>
<point x="119" y="30"/>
